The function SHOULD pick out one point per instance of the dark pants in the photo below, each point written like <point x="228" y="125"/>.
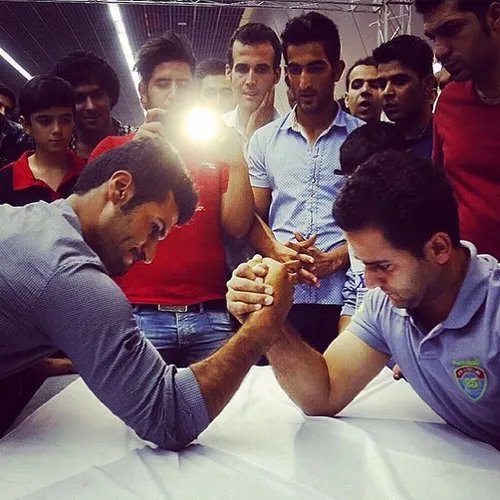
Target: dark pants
<point x="316" y="323"/>
<point x="15" y="393"/>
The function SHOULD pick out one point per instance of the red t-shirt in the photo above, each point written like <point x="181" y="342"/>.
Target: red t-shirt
<point x="18" y="185"/>
<point x="189" y="266"/>
<point x="467" y="145"/>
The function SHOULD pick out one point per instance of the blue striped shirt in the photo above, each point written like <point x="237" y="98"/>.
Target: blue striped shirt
<point x="304" y="186"/>
<point x="56" y="295"/>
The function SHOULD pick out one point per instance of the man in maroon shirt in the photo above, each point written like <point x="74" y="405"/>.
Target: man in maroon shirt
<point x="466" y="37"/>
<point x="179" y="298"/>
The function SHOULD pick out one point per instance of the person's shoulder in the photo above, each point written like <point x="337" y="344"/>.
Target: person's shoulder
<point x="456" y="93"/>
<point x="352" y="122"/>
<point x="110" y="142"/>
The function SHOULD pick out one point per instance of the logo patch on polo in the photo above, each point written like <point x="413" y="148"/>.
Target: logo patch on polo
<point x="471" y="379"/>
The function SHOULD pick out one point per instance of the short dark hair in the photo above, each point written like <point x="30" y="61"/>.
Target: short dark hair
<point x="9" y="94"/>
<point x="410" y="51"/>
<point x="367" y="61"/>
<point x="44" y="92"/>
<point x="165" y="48"/>
<point x="210" y="67"/>
<point x="156" y="168"/>
<point x="478" y="7"/>
<point x="82" y="67"/>
<point x="312" y="27"/>
<point x="255" y="34"/>
<point x="406" y="197"/>
<point x="367" y="140"/>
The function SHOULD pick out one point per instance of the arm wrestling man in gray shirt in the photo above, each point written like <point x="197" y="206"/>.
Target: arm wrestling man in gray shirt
<point x="56" y="293"/>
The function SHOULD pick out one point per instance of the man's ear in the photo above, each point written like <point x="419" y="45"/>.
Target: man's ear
<point x="277" y="75"/>
<point x="439" y="248"/>
<point x="338" y="70"/>
<point x="346" y="100"/>
<point x="493" y="18"/>
<point x="228" y="72"/>
<point x="26" y="124"/>
<point x="121" y="187"/>
<point x="429" y="84"/>
<point x="143" y="93"/>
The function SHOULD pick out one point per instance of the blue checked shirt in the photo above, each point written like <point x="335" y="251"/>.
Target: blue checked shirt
<point x="304" y="186"/>
<point x="55" y="295"/>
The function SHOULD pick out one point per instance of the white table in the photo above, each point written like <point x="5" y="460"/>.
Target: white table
<point x="387" y="445"/>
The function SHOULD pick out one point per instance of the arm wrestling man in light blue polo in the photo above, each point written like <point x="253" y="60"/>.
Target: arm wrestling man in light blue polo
<point x="434" y="304"/>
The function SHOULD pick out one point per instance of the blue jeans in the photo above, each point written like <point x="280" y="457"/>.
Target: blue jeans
<point x="184" y="338"/>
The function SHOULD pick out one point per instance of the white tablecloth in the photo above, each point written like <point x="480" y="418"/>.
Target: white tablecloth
<point x="387" y="445"/>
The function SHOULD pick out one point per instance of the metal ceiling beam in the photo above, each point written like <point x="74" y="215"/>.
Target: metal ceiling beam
<point x="325" y="5"/>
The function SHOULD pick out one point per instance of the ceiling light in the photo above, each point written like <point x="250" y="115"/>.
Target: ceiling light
<point x="15" y="64"/>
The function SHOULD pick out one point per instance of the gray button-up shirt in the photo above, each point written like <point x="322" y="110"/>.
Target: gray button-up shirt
<point x="55" y="295"/>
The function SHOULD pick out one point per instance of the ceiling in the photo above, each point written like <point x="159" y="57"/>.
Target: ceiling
<point x="37" y="34"/>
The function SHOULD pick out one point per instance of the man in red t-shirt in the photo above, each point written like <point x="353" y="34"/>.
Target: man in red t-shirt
<point x="466" y="36"/>
<point x="179" y="298"/>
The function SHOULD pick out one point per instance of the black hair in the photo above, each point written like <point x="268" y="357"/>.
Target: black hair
<point x="255" y="34"/>
<point x="210" y="67"/>
<point x="407" y="198"/>
<point x="80" y="67"/>
<point x="156" y="168"/>
<point x="44" y="92"/>
<point x="366" y="61"/>
<point x="410" y="51"/>
<point x="9" y="94"/>
<point x="478" y="7"/>
<point x="367" y="140"/>
<point x="165" y="48"/>
<point x="312" y="27"/>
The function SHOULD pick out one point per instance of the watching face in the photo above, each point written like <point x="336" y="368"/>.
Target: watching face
<point x="312" y="77"/>
<point x="252" y="75"/>
<point x="51" y="129"/>
<point x="363" y="95"/>
<point x="6" y="107"/>
<point x="216" y="92"/>
<point x="464" y="46"/>
<point x="403" y="93"/>
<point x="171" y="85"/>
<point x="93" y="108"/>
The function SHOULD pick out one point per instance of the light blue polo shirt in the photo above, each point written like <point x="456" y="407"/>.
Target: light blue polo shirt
<point x="454" y="368"/>
<point x="304" y="187"/>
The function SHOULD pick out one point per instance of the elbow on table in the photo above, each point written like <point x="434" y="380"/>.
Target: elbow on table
<point x="176" y="442"/>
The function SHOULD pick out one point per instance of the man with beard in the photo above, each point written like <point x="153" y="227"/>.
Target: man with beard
<point x="292" y="164"/>
<point x="362" y="97"/>
<point x="407" y="86"/>
<point x="433" y="305"/>
<point x="56" y="292"/>
<point x="97" y="90"/>
<point x="466" y="38"/>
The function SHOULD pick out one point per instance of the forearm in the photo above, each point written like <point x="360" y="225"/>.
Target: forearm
<point x="301" y="371"/>
<point x="262" y="239"/>
<point x="344" y="321"/>
<point x="220" y="375"/>
<point x="238" y="207"/>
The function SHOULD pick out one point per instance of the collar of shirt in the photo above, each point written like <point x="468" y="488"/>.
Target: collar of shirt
<point x="23" y="178"/>
<point x="472" y="292"/>
<point x="292" y="122"/>
<point x="233" y="119"/>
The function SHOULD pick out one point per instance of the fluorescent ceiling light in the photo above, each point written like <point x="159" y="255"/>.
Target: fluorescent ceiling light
<point x="116" y="16"/>
<point x="15" y="64"/>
